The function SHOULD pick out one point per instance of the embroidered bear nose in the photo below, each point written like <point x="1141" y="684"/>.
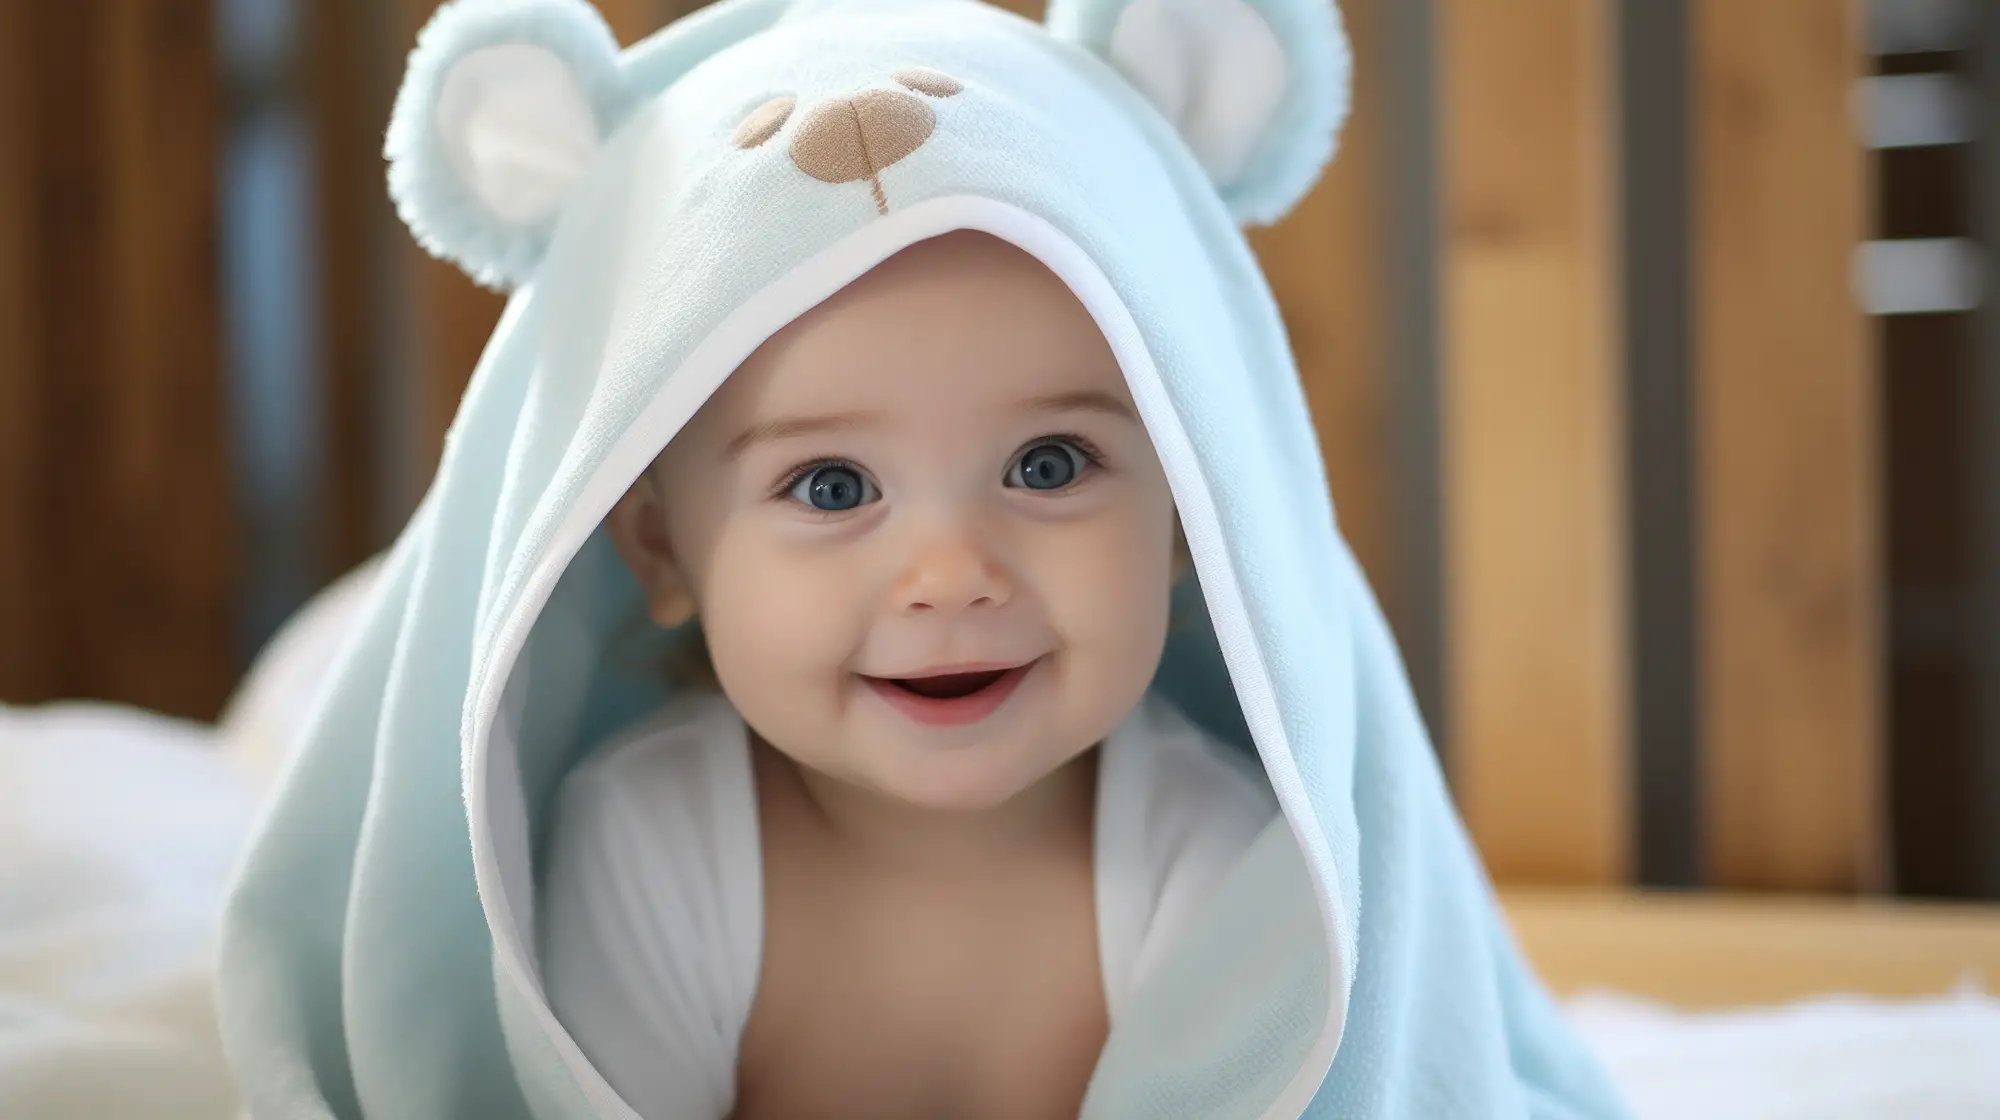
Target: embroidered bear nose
<point x="850" y="139"/>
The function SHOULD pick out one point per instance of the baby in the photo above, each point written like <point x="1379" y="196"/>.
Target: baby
<point x="892" y="867"/>
<point x="908" y="352"/>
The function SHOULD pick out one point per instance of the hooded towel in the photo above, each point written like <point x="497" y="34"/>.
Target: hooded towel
<point x="659" y="212"/>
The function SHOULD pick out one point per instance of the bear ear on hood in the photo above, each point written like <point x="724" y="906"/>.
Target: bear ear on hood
<point x="1257" y="88"/>
<point x="503" y="108"/>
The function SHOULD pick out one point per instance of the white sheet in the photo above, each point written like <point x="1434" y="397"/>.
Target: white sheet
<point x="1830" y="1059"/>
<point x="117" y="832"/>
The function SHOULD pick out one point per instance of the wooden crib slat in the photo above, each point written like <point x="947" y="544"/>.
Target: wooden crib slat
<point x="160" y="593"/>
<point x="1327" y="266"/>
<point x="349" y="95"/>
<point x="1787" y="459"/>
<point x="118" y="508"/>
<point x="25" y="668"/>
<point x="1534" y="555"/>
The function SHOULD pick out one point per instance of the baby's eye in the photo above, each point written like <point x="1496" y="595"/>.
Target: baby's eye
<point x="834" y="488"/>
<point x="1049" y="465"/>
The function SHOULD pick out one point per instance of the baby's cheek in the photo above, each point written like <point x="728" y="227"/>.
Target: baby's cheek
<point x="777" y="616"/>
<point x="1114" y="584"/>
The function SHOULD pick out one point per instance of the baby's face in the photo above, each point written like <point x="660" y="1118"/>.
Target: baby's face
<point x="938" y="473"/>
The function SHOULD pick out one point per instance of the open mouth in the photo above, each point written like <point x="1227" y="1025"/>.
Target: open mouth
<point x="950" y="686"/>
<point x="950" y="698"/>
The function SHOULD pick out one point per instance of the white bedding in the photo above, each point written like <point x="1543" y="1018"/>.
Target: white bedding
<point x="1828" y="1059"/>
<point x="118" y="830"/>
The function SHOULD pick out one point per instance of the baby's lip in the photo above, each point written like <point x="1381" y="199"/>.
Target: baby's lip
<point x="951" y="669"/>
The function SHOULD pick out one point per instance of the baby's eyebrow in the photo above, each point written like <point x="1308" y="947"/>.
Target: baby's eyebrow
<point x="790" y="427"/>
<point x="1082" y="400"/>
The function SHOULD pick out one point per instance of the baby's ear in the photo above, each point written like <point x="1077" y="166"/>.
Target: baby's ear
<point x="1257" y="88"/>
<point x="637" y="526"/>
<point x="503" y="108"/>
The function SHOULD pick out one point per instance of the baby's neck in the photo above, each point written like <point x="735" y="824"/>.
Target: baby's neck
<point x="1052" y="818"/>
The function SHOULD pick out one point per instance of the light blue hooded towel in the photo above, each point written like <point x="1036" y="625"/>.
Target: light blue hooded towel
<point x="656" y="221"/>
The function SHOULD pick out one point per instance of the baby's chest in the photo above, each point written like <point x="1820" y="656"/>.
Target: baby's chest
<point x="974" y="1009"/>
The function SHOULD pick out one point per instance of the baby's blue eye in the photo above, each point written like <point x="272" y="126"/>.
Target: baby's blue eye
<point x="1047" y="466"/>
<point x="834" y="489"/>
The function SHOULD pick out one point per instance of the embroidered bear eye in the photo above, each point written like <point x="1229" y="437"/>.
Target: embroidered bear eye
<point x="926" y="81"/>
<point x="764" y="121"/>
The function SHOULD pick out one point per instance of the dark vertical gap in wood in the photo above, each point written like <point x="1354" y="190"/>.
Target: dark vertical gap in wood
<point x="1927" y="391"/>
<point x="346" y="177"/>
<point x="352" y="71"/>
<point x="26" y="667"/>
<point x="1411" y="165"/>
<point x="166" y="525"/>
<point x="70" y="256"/>
<point x="1984" y="451"/>
<point x="1923" y="192"/>
<point x="1653" y="53"/>
<point x="1927" y="440"/>
<point x="133" y="492"/>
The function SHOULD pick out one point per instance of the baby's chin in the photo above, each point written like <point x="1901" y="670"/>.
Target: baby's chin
<point x="961" y="779"/>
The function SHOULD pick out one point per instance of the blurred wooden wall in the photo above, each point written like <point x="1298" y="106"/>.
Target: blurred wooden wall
<point x="117" y="547"/>
<point x="1531" y="398"/>
<point x="1787" y="740"/>
<point x="116" y="533"/>
<point x="1787" y="379"/>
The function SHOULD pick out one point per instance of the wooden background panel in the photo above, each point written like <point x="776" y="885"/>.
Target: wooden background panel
<point x="24" y="667"/>
<point x="1536" y="672"/>
<point x="64" y="177"/>
<point x="1787" y="456"/>
<point x="350" y="85"/>
<point x="1327" y="264"/>
<point x="170" y="547"/>
<point x="124" y="507"/>
<point x="1984" y="492"/>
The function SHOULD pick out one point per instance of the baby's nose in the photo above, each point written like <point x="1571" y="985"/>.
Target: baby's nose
<point x="951" y="573"/>
<point x="850" y="139"/>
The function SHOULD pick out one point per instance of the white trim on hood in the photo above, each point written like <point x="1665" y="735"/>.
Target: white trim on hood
<point x="705" y="369"/>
